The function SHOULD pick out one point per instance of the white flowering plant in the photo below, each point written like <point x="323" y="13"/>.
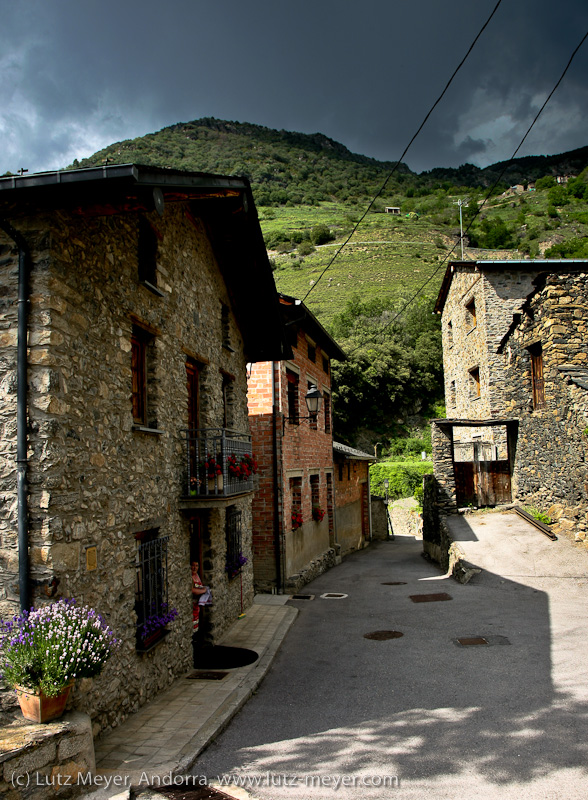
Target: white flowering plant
<point x="48" y="647"/>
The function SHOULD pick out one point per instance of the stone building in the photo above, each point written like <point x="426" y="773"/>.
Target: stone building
<point x="293" y="511"/>
<point x="546" y="390"/>
<point x="502" y="323"/>
<point x="353" y="509"/>
<point x="148" y="291"/>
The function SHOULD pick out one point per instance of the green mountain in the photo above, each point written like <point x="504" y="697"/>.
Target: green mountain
<point x="305" y="183"/>
<point x="312" y="194"/>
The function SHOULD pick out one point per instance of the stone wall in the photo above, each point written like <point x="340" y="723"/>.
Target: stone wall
<point x="95" y="479"/>
<point x="351" y="481"/>
<point x="551" y="470"/>
<point x="38" y="762"/>
<point x="471" y="343"/>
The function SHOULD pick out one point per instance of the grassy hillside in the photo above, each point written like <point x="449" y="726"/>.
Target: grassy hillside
<point x="305" y="181"/>
<point x="311" y="191"/>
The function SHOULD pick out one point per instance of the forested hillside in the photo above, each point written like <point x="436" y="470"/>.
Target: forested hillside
<point x="311" y="192"/>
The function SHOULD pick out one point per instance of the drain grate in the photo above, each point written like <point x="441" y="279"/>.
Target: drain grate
<point x="489" y="641"/>
<point x="382" y="636"/>
<point x="302" y="597"/>
<point x="472" y="641"/>
<point x="395" y="583"/>
<point x="333" y="596"/>
<point x="206" y="675"/>
<point x="430" y="598"/>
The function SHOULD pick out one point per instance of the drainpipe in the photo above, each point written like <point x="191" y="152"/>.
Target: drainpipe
<point x="21" y="414"/>
<point x="276" y="504"/>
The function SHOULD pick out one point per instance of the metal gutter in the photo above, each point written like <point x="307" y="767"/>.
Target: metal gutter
<point x="21" y="414"/>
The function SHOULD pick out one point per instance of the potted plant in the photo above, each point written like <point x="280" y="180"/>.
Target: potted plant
<point x="233" y="565"/>
<point x="213" y="471"/>
<point x="296" y="520"/>
<point x="152" y="629"/>
<point x="43" y="651"/>
<point x="318" y="513"/>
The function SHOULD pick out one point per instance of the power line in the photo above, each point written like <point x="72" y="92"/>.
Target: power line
<point x="406" y="149"/>
<point x="488" y="195"/>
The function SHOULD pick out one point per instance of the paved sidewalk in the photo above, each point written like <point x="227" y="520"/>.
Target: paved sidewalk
<point x="166" y="735"/>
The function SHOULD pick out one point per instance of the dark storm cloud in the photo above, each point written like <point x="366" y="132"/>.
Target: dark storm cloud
<point x="76" y="76"/>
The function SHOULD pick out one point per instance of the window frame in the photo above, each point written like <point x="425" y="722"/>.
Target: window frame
<point x="537" y="375"/>
<point x="151" y="585"/>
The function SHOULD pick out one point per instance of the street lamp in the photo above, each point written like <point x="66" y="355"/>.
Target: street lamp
<point x="313" y="399"/>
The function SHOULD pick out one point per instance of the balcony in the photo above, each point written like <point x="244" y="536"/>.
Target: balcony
<point x="219" y="465"/>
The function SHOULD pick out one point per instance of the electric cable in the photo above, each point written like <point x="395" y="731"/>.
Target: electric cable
<point x="406" y="149"/>
<point x="483" y="203"/>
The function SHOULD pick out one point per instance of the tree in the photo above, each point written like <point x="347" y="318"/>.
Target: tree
<point x="394" y="365"/>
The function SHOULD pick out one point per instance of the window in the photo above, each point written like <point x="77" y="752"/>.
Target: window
<point x="536" y="353"/>
<point x="226" y="327"/>
<point x="233" y="533"/>
<point x="452" y="395"/>
<point x="330" y="505"/>
<point x="450" y="333"/>
<point x="228" y="400"/>
<point x="325" y="364"/>
<point x="292" y="393"/>
<point x="313" y="421"/>
<point x="151" y="606"/>
<point x="340" y="465"/>
<point x="327" y="402"/>
<point x="474" y="383"/>
<point x="315" y="496"/>
<point x="311" y="352"/>
<point x="296" y="502"/>
<point x="147" y="256"/>
<point x="143" y="377"/>
<point x="292" y="333"/>
<point x="471" y="319"/>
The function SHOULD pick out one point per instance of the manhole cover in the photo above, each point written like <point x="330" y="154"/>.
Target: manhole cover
<point x="333" y="596"/>
<point x="381" y="636"/>
<point x="302" y="597"/>
<point x="206" y="675"/>
<point x="430" y="598"/>
<point x="395" y="583"/>
<point x="472" y="640"/>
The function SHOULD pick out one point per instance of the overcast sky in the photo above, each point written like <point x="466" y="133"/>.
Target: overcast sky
<point x="77" y="75"/>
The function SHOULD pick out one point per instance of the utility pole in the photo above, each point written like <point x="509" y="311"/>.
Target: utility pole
<point x="462" y="204"/>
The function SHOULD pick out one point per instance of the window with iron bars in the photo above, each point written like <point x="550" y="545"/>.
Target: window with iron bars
<point x="151" y="593"/>
<point x="233" y="532"/>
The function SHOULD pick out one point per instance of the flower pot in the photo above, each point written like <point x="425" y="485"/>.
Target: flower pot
<point x="37" y="707"/>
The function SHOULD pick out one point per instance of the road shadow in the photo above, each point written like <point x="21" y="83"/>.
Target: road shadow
<point x="421" y="706"/>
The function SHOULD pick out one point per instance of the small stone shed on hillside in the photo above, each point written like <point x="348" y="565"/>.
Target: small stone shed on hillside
<point x="515" y="353"/>
<point x="148" y="292"/>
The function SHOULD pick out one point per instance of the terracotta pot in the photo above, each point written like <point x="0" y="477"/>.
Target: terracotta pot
<point x="37" y="707"/>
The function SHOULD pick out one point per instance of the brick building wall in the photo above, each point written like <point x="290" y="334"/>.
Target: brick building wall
<point x="94" y="480"/>
<point x="304" y="457"/>
<point x="352" y="503"/>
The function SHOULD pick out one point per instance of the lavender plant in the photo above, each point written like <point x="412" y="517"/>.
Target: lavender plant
<point x="48" y="647"/>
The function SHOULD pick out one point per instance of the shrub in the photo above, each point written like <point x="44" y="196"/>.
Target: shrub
<point x="321" y="234"/>
<point x="305" y="248"/>
<point x="403" y="477"/>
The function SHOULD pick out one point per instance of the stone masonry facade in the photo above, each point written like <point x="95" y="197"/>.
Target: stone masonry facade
<point x="551" y="468"/>
<point x="515" y="352"/>
<point x="96" y="480"/>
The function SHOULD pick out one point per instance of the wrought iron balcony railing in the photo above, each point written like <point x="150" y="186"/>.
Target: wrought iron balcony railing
<point x="219" y="463"/>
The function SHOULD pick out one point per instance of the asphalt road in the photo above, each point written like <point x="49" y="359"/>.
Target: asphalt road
<point x="422" y="716"/>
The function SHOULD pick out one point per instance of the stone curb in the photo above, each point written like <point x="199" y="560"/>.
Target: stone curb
<point x="238" y="697"/>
